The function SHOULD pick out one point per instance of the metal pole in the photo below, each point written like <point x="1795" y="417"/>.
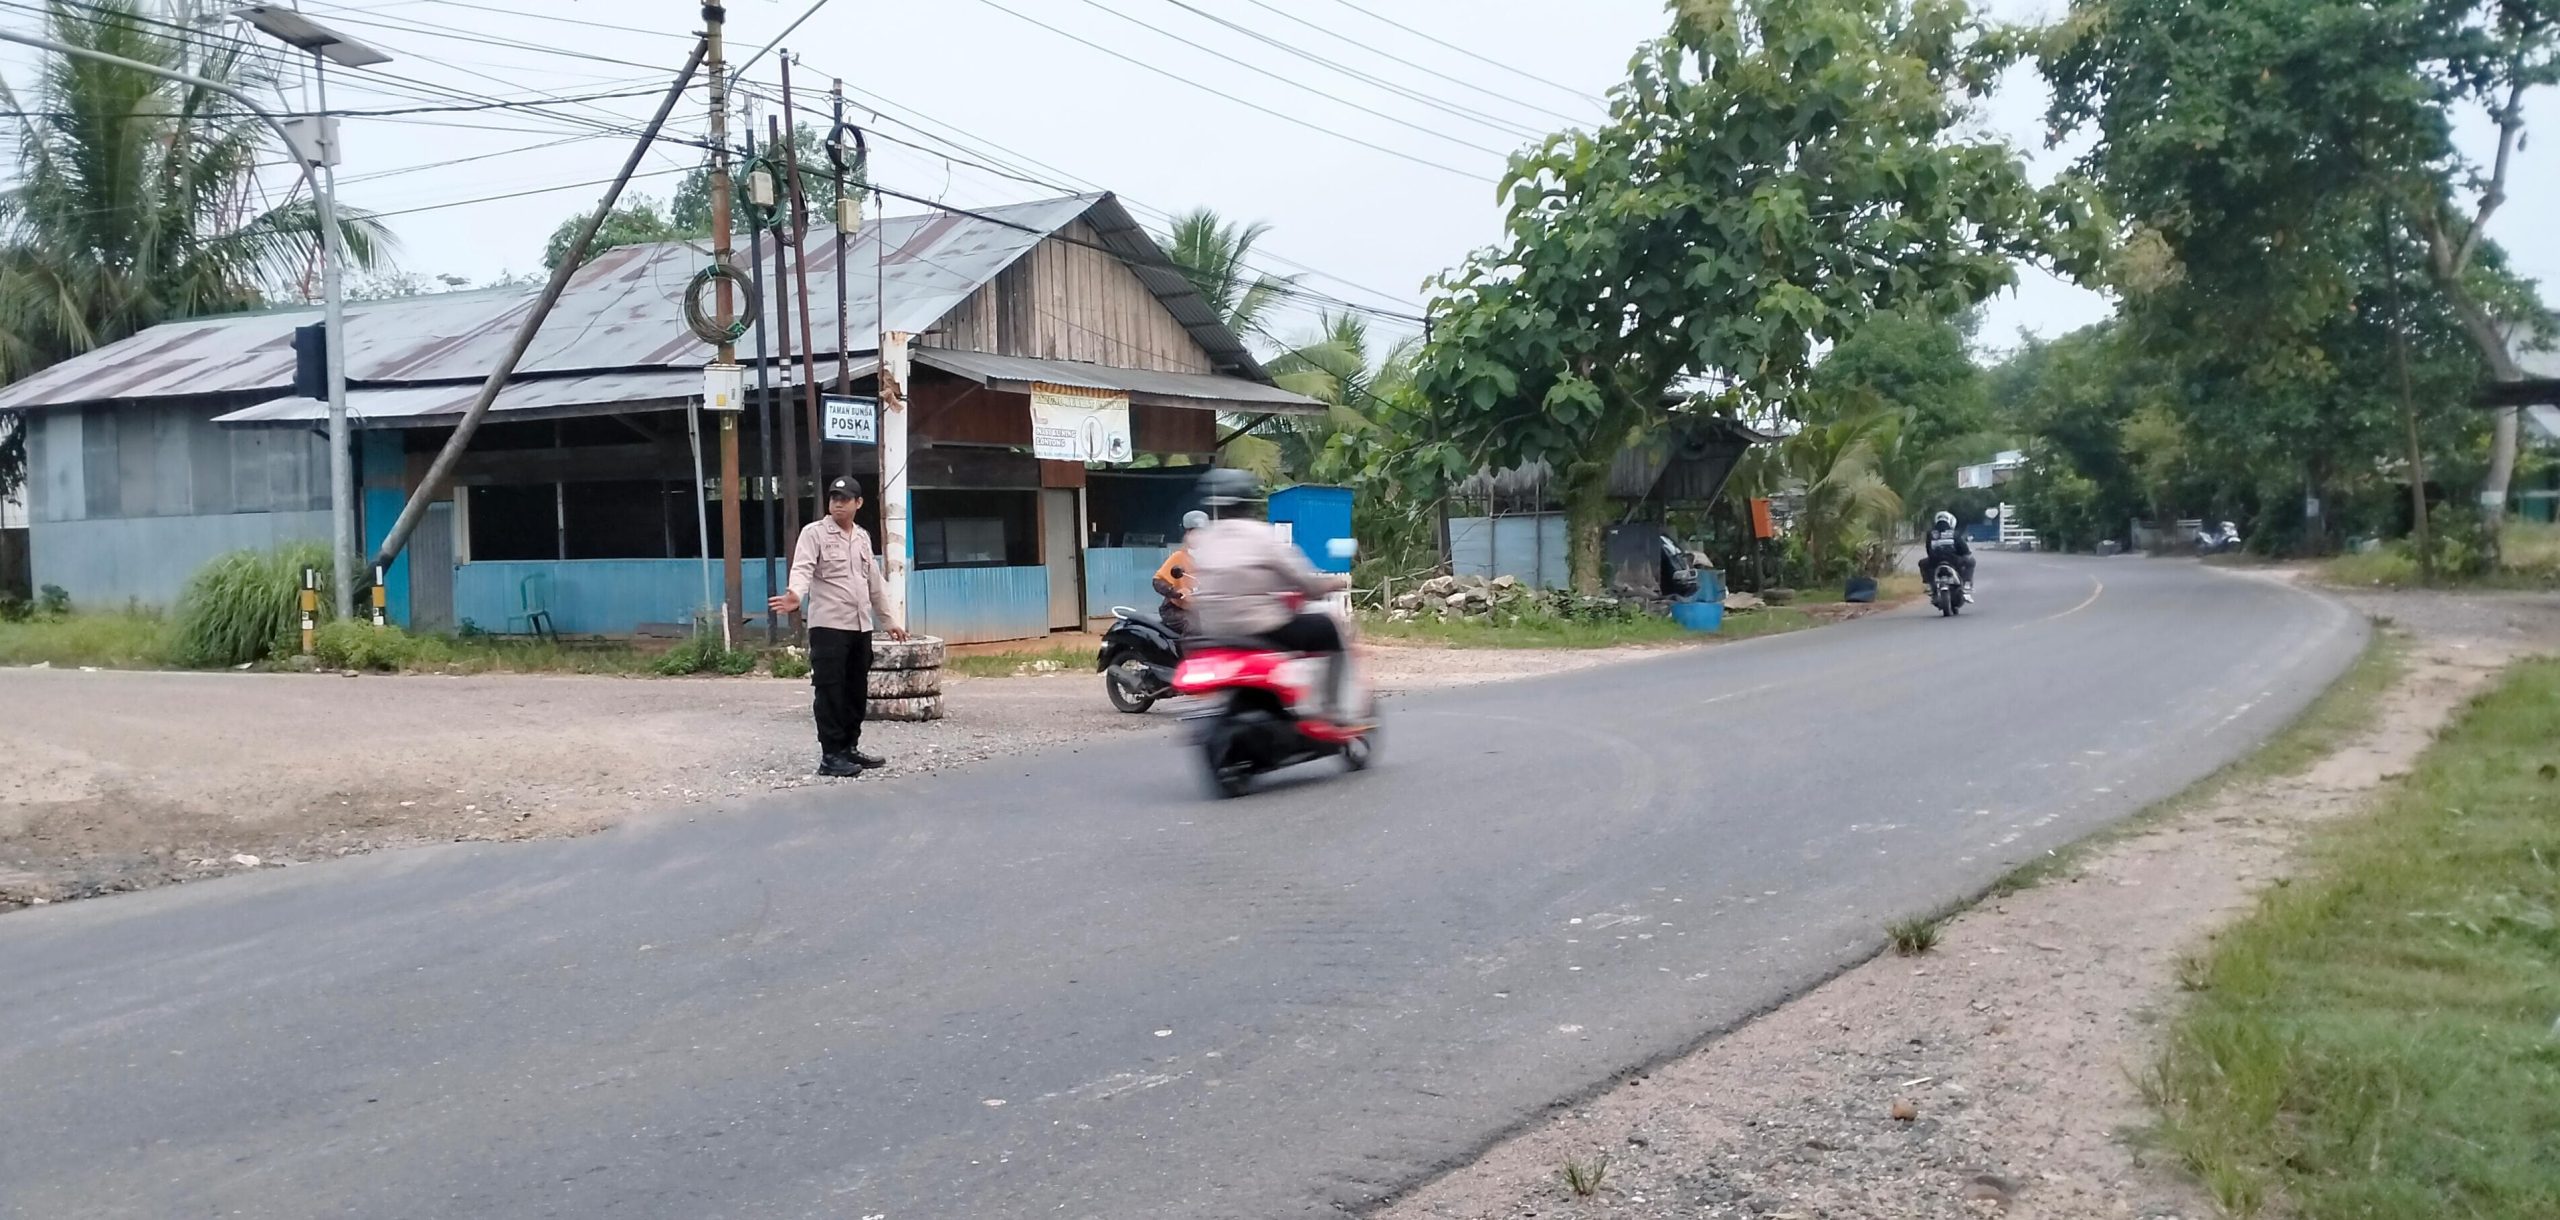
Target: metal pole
<point x="800" y="274"/>
<point x="342" y="474"/>
<point x="701" y="501"/>
<point x="764" y="412"/>
<point x="844" y="324"/>
<point x="440" y="475"/>
<point x="781" y="315"/>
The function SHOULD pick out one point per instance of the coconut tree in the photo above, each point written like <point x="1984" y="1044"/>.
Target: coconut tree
<point x="1211" y="251"/>
<point x="136" y="198"/>
<point x="1849" y="501"/>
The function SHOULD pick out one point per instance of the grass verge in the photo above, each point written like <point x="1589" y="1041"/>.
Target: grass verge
<point x="2530" y="561"/>
<point x="2378" y="1039"/>
<point x="107" y="641"/>
<point x="1017" y="662"/>
<point x="2342" y="711"/>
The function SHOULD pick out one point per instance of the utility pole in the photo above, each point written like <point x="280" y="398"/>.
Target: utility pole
<point x="786" y="409"/>
<point x="800" y="273"/>
<point x="760" y="188"/>
<point x="733" y="584"/>
<point x="844" y="344"/>
<point x="326" y="46"/>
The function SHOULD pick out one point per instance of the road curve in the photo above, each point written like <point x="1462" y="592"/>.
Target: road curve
<point x="1066" y="986"/>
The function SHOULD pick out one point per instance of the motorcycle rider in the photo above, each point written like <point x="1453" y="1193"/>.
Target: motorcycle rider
<point x="1241" y="570"/>
<point x="1947" y="544"/>
<point x="1173" y="580"/>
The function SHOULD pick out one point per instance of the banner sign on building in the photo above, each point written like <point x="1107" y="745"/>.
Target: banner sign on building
<point x="852" y="419"/>
<point x="1069" y="425"/>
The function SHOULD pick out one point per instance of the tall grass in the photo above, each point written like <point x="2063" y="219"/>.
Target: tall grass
<point x="245" y="606"/>
<point x="2378" y="1039"/>
<point x="126" y="640"/>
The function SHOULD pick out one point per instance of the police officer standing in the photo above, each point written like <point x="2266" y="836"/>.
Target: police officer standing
<point x="835" y="575"/>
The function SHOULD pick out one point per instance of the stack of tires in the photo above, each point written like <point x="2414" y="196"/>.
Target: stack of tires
<point x="906" y="678"/>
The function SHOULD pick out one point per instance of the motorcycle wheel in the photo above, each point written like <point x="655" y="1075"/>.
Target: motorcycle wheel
<point x="1228" y="778"/>
<point x="1360" y="751"/>
<point x="1125" y="696"/>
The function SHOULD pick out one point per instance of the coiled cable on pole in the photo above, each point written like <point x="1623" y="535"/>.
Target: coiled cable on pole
<point x="700" y="321"/>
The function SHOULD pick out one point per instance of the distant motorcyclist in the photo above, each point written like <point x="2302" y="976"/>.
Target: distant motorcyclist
<point x="1174" y="580"/>
<point x="1946" y="544"/>
<point x="1241" y="572"/>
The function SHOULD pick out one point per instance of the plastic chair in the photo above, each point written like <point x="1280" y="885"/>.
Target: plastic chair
<point x="535" y="596"/>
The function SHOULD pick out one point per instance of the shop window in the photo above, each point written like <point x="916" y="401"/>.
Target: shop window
<point x="521" y="521"/>
<point x="977" y="529"/>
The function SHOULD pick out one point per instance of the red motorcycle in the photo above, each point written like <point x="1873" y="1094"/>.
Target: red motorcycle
<point x="1258" y="711"/>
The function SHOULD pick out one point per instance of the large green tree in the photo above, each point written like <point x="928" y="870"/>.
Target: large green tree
<point x="2252" y="142"/>
<point x="1773" y="174"/>
<point x="135" y="198"/>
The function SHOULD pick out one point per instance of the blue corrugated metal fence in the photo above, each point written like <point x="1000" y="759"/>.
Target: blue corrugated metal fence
<point x="590" y="596"/>
<point x="1121" y="576"/>
<point x="979" y="605"/>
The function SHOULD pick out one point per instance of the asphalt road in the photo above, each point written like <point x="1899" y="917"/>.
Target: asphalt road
<point x="1068" y="986"/>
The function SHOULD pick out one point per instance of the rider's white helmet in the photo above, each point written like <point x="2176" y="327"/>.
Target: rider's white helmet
<point x="1946" y="521"/>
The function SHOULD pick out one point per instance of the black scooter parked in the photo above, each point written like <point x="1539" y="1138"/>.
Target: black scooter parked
<point x="1137" y="660"/>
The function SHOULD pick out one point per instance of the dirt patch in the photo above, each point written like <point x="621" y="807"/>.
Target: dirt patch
<point x="1998" y="1074"/>
<point x="118" y="781"/>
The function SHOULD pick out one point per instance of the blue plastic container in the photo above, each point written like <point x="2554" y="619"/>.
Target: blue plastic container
<point x="1699" y="616"/>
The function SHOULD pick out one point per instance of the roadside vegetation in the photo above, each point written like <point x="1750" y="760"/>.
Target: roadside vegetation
<point x="2379" y="1038"/>
<point x="2528" y="558"/>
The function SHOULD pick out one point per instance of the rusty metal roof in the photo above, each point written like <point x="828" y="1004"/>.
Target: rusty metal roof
<point x="1209" y="390"/>
<point x="621" y="313"/>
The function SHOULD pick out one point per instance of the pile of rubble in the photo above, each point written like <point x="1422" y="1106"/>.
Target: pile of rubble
<point x="1449" y="597"/>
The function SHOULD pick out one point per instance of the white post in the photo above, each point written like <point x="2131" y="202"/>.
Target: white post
<point x="342" y="476"/>
<point x="893" y="472"/>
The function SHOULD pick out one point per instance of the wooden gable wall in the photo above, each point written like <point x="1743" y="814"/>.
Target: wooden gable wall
<point x="1065" y="301"/>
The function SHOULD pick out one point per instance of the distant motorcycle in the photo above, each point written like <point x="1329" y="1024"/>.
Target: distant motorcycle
<point x="1137" y="660"/>
<point x="2218" y="541"/>
<point x="1946" y="590"/>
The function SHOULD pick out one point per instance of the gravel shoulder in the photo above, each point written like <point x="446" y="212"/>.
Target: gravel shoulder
<point x="116" y="780"/>
<point x="1998" y="1074"/>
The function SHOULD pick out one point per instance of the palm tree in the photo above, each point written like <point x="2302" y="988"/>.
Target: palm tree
<point x="137" y="198"/>
<point x="1849" y="504"/>
<point x="1211" y="251"/>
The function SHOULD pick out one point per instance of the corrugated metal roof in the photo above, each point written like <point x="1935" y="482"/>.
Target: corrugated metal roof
<point x="536" y="398"/>
<point x="1142" y="385"/>
<point x="621" y="312"/>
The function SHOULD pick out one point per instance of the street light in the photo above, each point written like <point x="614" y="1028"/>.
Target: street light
<point x="320" y="150"/>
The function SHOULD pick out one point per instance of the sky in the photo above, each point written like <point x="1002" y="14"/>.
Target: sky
<point x="1366" y="133"/>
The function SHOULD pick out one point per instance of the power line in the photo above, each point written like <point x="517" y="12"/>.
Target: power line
<point x="1374" y="15"/>
<point x="1391" y="56"/>
<point x="455" y="108"/>
<point x="1302" y="86"/>
<point x="1071" y="183"/>
<point x="1280" y="115"/>
<point x="1469" y="114"/>
<point x="524" y="194"/>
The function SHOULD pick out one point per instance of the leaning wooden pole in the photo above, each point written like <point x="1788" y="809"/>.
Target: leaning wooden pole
<point x="440" y="474"/>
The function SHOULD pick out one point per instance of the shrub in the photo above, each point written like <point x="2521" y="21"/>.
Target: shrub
<point x="246" y="606"/>
<point x="53" y="601"/>
<point x="15" y="609"/>
<point x="790" y="663"/>
<point x="702" y="653"/>
<point x="352" y="644"/>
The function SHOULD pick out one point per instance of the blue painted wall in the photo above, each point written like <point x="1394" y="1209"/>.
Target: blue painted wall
<point x="1530" y="548"/>
<point x="590" y="596"/>
<point x="382" y="507"/>
<point x="1316" y="515"/>
<point x="1121" y="576"/>
<point x="979" y="605"/>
